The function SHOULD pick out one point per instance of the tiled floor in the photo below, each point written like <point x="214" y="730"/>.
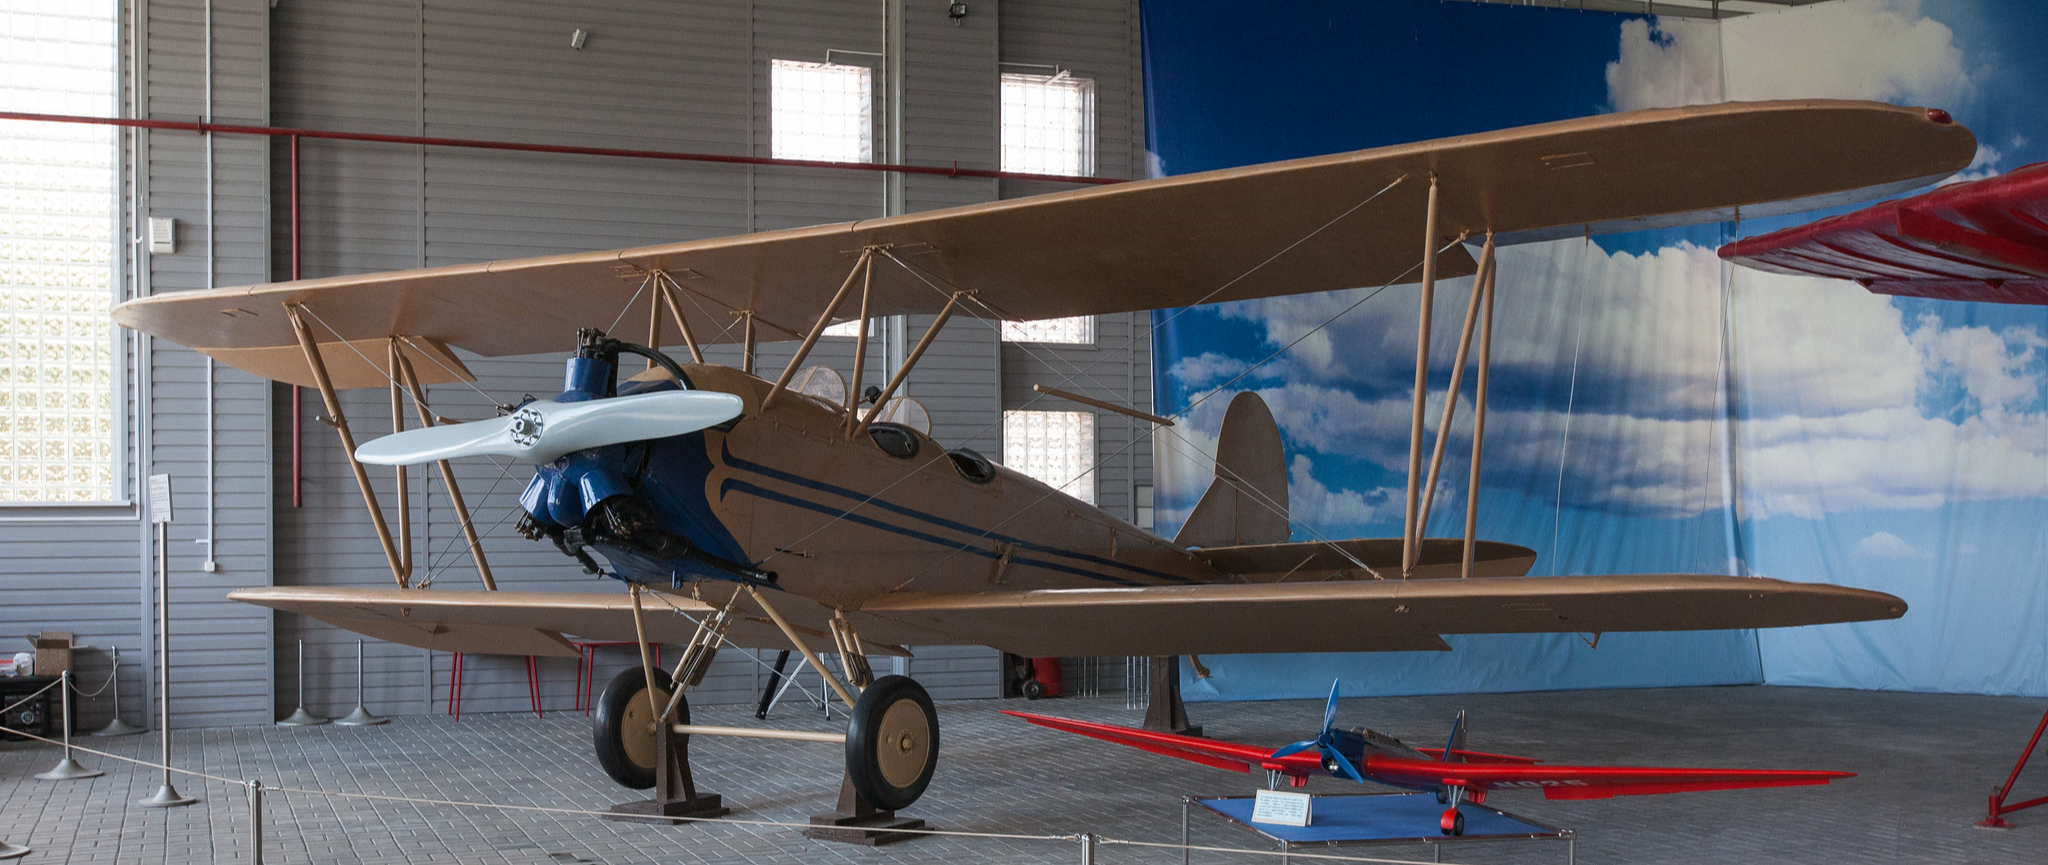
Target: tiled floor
<point x="1926" y="763"/>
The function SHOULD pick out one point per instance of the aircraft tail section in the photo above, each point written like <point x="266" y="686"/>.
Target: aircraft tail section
<point x="1247" y="502"/>
<point x="1454" y="750"/>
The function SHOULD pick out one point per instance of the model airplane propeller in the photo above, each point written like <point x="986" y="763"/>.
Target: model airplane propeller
<point x="770" y="517"/>
<point x="1325" y="743"/>
<point x="1454" y="774"/>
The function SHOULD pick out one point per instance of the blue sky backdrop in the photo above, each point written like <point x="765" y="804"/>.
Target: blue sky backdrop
<point x="1652" y="409"/>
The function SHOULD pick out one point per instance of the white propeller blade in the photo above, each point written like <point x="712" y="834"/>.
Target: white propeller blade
<point x="544" y="429"/>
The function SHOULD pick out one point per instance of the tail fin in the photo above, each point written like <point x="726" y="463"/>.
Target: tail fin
<point x="1247" y="503"/>
<point x="1457" y="743"/>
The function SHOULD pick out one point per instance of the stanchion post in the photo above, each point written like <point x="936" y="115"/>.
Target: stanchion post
<point x="361" y="717"/>
<point x="1185" y="801"/>
<point x="13" y="851"/>
<point x="67" y="768"/>
<point x="299" y="716"/>
<point x="116" y="727"/>
<point x="1087" y="848"/>
<point x="166" y="796"/>
<point x="256" y="822"/>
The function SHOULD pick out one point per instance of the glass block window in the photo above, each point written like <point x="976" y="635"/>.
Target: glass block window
<point x="56" y="253"/>
<point x="846" y="328"/>
<point x="822" y="111"/>
<point x="1057" y="447"/>
<point x="1074" y="330"/>
<point x="1049" y="124"/>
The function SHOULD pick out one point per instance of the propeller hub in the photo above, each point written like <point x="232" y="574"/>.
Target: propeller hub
<point x="525" y="427"/>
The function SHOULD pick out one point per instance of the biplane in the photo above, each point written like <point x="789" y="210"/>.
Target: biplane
<point x="776" y="516"/>
<point x="1453" y="773"/>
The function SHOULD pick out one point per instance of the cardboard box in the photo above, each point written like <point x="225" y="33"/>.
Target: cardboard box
<point x="53" y="652"/>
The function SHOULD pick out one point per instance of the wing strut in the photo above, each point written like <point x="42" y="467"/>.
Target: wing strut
<point x="864" y="265"/>
<point x="1411" y="531"/>
<point x="910" y="363"/>
<point x="311" y="348"/>
<point x="419" y="404"/>
<point x="1443" y="427"/>
<point x="665" y="288"/>
<point x="802" y="646"/>
<point x="1479" y="405"/>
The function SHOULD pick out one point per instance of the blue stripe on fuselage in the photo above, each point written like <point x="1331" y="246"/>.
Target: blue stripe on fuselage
<point x="936" y="520"/>
<point x="820" y="507"/>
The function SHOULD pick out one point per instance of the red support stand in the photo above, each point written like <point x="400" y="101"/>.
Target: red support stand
<point x="1996" y="819"/>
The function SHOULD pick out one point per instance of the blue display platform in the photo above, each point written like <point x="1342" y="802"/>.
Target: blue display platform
<point x="1382" y="818"/>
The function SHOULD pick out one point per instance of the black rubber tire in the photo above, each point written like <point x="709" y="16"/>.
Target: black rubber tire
<point x="1457" y="824"/>
<point x="624" y="697"/>
<point x="1033" y="689"/>
<point x="890" y="760"/>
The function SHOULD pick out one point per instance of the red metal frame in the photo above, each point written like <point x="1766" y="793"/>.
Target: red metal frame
<point x="479" y="144"/>
<point x="1996" y="819"/>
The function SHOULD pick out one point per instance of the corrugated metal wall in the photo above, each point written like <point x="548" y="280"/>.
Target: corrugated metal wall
<point x="657" y="76"/>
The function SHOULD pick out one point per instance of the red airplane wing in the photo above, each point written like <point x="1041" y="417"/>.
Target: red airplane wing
<point x="1479" y="756"/>
<point x="1208" y="752"/>
<point x="1986" y="240"/>
<point x="1585" y="782"/>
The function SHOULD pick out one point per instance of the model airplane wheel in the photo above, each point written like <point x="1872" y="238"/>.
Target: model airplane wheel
<point x="892" y="745"/>
<point x="1033" y="689"/>
<point x="624" y="731"/>
<point x="1453" y="822"/>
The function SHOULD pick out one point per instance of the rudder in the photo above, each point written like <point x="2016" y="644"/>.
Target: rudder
<point x="1247" y="502"/>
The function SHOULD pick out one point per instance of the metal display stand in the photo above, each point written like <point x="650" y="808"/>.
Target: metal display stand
<point x="167" y="796"/>
<point x="361" y="717"/>
<point x="857" y="821"/>
<point x="675" y="792"/>
<point x="13" y="851"/>
<point x="1540" y="831"/>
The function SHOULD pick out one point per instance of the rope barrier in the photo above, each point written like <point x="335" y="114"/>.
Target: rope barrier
<point x="26" y="700"/>
<point x="1083" y="837"/>
<point x="111" y="673"/>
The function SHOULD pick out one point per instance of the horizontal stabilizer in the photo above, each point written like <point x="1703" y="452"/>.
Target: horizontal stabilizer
<point x="1309" y="561"/>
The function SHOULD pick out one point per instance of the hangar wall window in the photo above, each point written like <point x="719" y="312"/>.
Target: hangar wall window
<point x="1049" y="124"/>
<point x="1057" y="447"/>
<point x="57" y="421"/>
<point x="822" y="111"/>
<point x="1073" y="330"/>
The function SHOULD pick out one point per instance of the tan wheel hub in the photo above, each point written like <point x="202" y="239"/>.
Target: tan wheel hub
<point x="904" y="743"/>
<point x="637" y="728"/>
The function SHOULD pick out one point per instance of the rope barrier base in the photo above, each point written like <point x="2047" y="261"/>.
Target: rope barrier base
<point x="117" y="727"/>
<point x="13" y="851"/>
<point x="675" y="794"/>
<point x="361" y="717"/>
<point x="68" y="769"/>
<point x="858" y="822"/>
<point x="166" y="796"/>
<point x="302" y="718"/>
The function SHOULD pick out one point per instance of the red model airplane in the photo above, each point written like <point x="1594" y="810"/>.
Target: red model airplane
<point x="1985" y="240"/>
<point x="1453" y="773"/>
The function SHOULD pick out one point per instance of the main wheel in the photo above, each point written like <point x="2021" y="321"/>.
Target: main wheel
<point x="1453" y="822"/>
<point x="892" y="745"/>
<point x="624" y="732"/>
<point x="1033" y="689"/>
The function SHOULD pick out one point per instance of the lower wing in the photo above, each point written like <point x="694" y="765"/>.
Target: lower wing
<point x="1353" y="616"/>
<point x="1588" y="782"/>
<point x="518" y="623"/>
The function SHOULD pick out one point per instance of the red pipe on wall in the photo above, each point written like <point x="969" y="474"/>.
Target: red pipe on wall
<point x="234" y="129"/>
<point x="298" y="476"/>
<point x="298" y="473"/>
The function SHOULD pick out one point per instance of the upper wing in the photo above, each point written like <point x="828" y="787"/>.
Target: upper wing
<point x="1354" y="616"/>
<point x="517" y="623"/>
<point x="1281" y="228"/>
<point x="1208" y="752"/>
<point x="1588" y="782"/>
<point x="1986" y="240"/>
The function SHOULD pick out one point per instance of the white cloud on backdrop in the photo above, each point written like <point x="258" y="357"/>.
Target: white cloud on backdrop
<point x="1883" y="544"/>
<point x="1849" y="404"/>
